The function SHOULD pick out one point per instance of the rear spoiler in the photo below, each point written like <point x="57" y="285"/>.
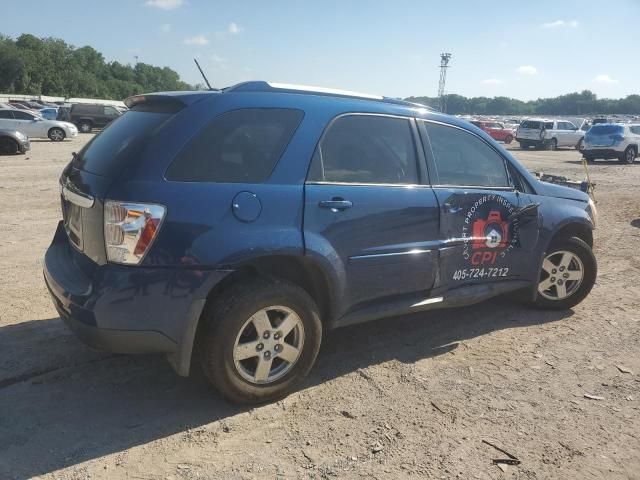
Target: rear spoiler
<point x="155" y="103"/>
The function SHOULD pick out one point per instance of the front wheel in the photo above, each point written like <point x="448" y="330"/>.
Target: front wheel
<point x="260" y="340"/>
<point x="568" y="273"/>
<point x="85" y="127"/>
<point x="56" y="135"/>
<point x="508" y="139"/>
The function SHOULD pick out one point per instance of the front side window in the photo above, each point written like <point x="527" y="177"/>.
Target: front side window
<point x="241" y="146"/>
<point x="366" y="149"/>
<point x="463" y="159"/>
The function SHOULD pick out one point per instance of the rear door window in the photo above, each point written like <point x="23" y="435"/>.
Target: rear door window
<point x="241" y="146"/>
<point x="6" y="114"/>
<point x="366" y="149"/>
<point x="463" y="159"/>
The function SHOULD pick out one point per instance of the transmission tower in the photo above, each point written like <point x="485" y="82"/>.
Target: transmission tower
<point x="444" y="64"/>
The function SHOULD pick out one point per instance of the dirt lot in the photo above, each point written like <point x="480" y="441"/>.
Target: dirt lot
<point x="401" y="398"/>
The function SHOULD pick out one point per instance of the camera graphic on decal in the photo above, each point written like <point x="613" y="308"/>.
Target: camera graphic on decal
<point x="490" y="233"/>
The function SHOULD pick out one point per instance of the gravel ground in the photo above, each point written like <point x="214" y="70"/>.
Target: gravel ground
<point x="410" y="397"/>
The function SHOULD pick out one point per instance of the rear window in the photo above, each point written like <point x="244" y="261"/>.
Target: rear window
<point x="119" y="143"/>
<point x="531" y="124"/>
<point x="241" y="146"/>
<point x="606" y="129"/>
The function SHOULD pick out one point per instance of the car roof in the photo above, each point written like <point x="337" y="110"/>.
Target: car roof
<point x="260" y="86"/>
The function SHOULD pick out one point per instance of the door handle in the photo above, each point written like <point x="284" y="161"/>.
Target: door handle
<point x="336" y="204"/>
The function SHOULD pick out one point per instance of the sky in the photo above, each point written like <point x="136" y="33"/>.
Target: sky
<point x="524" y="50"/>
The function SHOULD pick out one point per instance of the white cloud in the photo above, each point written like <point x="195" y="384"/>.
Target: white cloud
<point x="527" y="70"/>
<point x="234" y="28"/>
<point x="217" y="59"/>
<point x="164" y="4"/>
<point x="166" y="28"/>
<point x="561" y="24"/>
<point x="492" y="81"/>
<point x="196" y="40"/>
<point x="603" y="78"/>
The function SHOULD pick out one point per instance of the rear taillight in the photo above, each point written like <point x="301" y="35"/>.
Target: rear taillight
<point x="130" y="229"/>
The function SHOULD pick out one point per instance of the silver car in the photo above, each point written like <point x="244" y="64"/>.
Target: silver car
<point x="13" y="142"/>
<point x="34" y="126"/>
<point x="612" y="140"/>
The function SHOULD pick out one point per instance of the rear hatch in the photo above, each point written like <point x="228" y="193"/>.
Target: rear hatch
<point x="603" y="136"/>
<point x="88" y="177"/>
<point x="530" y="130"/>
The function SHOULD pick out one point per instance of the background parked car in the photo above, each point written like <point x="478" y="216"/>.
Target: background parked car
<point x="89" y="116"/>
<point x="49" y="113"/>
<point x="34" y="126"/>
<point x="13" y="142"/>
<point x="608" y="140"/>
<point x="496" y="130"/>
<point x="550" y="134"/>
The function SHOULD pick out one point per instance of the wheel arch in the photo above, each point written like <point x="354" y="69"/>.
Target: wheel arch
<point x="301" y="271"/>
<point x="574" y="228"/>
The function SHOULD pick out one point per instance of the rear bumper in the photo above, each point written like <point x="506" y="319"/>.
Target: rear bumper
<point x="124" y="309"/>
<point x="601" y="152"/>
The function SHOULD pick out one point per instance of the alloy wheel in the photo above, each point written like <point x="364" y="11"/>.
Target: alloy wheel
<point x="562" y="275"/>
<point x="268" y="345"/>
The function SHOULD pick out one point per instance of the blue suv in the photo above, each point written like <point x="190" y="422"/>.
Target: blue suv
<point x="236" y="226"/>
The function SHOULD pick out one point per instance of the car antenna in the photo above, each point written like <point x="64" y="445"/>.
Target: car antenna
<point x="203" y="75"/>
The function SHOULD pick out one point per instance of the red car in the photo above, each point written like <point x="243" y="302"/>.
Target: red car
<point x="496" y="130"/>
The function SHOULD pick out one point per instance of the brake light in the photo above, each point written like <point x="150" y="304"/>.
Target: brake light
<point x="130" y="229"/>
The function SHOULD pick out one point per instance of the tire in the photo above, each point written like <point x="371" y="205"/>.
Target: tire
<point x="552" y="145"/>
<point x="85" y="126"/>
<point x="589" y="158"/>
<point x="524" y="146"/>
<point x="235" y="317"/>
<point x="582" y="260"/>
<point x="629" y="156"/>
<point x="8" y="146"/>
<point x="56" y="134"/>
<point x="580" y="145"/>
<point x="508" y="139"/>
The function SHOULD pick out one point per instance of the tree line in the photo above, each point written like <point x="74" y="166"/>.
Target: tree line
<point x="49" y="66"/>
<point x="583" y="103"/>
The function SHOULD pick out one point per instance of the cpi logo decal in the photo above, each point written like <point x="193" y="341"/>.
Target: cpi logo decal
<point x="488" y="236"/>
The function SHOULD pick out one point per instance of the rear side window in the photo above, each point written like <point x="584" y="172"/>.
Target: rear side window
<point x="463" y="159"/>
<point x="6" y="114"/>
<point x="241" y="146"/>
<point x="366" y="149"/>
<point x="119" y="143"/>
<point x="531" y="124"/>
<point x="20" y="115"/>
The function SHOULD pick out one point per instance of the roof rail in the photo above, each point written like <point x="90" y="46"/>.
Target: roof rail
<point x="262" y="86"/>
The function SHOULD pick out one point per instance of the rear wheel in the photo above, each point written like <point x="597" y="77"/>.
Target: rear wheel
<point x="524" y="145"/>
<point x="569" y="271"/>
<point x="553" y="144"/>
<point x="85" y="127"/>
<point x="56" y="134"/>
<point x="580" y="145"/>
<point x="628" y="156"/>
<point x="508" y="139"/>
<point x="8" y="146"/>
<point x="260" y="340"/>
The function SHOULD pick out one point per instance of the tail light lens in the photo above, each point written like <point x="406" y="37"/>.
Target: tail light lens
<point x="130" y="229"/>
